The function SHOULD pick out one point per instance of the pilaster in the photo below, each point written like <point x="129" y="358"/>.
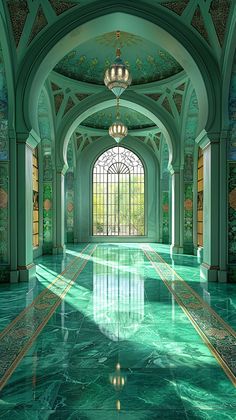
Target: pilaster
<point x="59" y="231"/>
<point x="213" y="267"/>
<point x="26" y="142"/>
<point x="177" y="210"/>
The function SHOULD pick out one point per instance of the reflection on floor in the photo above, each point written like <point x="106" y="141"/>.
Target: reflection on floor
<point x="106" y="339"/>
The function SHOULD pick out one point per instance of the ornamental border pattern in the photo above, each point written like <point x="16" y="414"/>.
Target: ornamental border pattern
<point x="19" y="335"/>
<point x="214" y="331"/>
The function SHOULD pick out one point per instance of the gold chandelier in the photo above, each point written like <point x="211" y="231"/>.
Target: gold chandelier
<point x="118" y="130"/>
<point x="117" y="77"/>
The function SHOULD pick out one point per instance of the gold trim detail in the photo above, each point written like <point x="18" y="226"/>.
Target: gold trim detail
<point x="212" y="332"/>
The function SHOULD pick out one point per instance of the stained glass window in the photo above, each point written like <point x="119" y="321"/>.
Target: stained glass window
<point x="118" y="194"/>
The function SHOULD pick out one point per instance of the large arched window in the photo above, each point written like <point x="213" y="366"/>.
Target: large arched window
<point x="118" y="194"/>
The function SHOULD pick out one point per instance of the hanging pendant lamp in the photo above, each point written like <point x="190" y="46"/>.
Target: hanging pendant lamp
<point x="118" y="130"/>
<point x="117" y="77"/>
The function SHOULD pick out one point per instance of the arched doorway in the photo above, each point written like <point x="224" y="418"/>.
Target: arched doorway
<point x="118" y="194"/>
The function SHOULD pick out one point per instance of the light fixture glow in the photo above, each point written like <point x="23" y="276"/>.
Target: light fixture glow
<point x="117" y="77"/>
<point x="118" y="130"/>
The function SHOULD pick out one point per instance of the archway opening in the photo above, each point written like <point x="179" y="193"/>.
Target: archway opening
<point x="118" y="194"/>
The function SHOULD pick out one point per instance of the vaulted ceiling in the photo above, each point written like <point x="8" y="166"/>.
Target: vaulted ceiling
<point x="147" y="62"/>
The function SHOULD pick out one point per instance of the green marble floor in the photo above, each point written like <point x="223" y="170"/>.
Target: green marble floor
<point x="116" y="345"/>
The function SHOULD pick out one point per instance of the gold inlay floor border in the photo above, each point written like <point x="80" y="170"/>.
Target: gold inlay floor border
<point x="19" y="335"/>
<point x="196" y="303"/>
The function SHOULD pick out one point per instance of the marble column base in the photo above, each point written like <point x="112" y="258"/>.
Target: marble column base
<point x="208" y="272"/>
<point x="14" y="276"/>
<point x="57" y="250"/>
<point x="27" y="272"/>
<point x="222" y="276"/>
<point x="199" y="254"/>
<point x="176" y="249"/>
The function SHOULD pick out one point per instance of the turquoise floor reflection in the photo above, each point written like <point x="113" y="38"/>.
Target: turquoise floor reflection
<point x="119" y="346"/>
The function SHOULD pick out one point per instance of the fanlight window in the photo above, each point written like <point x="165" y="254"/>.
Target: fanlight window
<point x="118" y="194"/>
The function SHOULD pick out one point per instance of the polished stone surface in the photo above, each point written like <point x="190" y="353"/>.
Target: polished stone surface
<point x="118" y="345"/>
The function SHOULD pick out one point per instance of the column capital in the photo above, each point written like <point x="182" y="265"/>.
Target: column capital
<point x="205" y="138"/>
<point x="61" y="168"/>
<point x="175" y="169"/>
<point x="30" y="138"/>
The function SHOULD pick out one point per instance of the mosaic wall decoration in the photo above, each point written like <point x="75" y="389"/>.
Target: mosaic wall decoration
<point x="70" y="104"/>
<point x="61" y="6"/>
<point x="46" y="142"/>
<point x="232" y="179"/>
<point x="199" y="24"/>
<point x="89" y="61"/>
<point x="165" y="195"/>
<point x="4" y="213"/>
<point x="47" y="204"/>
<point x="176" y="6"/>
<point x="58" y="99"/>
<point x="69" y="194"/>
<point x="232" y="213"/>
<point x="232" y="114"/>
<point x="165" y="217"/>
<point x="35" y="173"/>
<point x="189" y="143"/>
<point x="219" y="11"/>
<point x="200" y="198"/>
<point x="18" y="10"/>
<point x="188" y="216"/>
<point x="4" y="167"/>
<point x="4" y="144"/>
<point x="39" y="23"/>
<point x="69" y="203"/>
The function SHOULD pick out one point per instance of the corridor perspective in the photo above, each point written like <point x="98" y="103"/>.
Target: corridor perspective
<point x="123" y="332"/>
<point x="117" y="209"/>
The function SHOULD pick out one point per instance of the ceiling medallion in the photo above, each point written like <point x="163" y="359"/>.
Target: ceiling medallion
<point x="118" y="130"/>
<point x="117" y="77"/>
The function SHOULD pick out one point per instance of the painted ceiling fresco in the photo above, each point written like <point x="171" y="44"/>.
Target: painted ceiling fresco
<point x="131" y="118"/>
<point x="147" y="62"/>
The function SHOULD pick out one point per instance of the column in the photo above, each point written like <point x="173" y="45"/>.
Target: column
<point x="214" y="263"/>
<point x="26" y="142"/>
<point x="177" y="216"/>
<point x="223" y="202"/>
<point x="59" y="211"/>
